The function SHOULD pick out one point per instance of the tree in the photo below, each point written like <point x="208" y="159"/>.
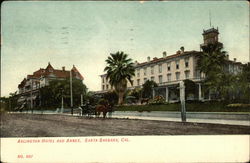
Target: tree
<point x="147" y="89"/>
<point x="4" y="103"/>
<point x="111" y="97"/>
<point x="213" y="63"/>
<point x="136" y="92"/>
<point x="51" y="95"/>
<point x="13" y="100"/>
<point x="190" y="88"/>
<point x="91" y="98"/>
<point x="243" y="82"/>
<point x="119" y="70"/>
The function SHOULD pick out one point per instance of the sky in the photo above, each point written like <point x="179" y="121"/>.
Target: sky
<point x="84" y="33"/>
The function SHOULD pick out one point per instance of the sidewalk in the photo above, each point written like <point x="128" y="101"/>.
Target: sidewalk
<point x="199" y="117"/>
<point x="214" y="121"/>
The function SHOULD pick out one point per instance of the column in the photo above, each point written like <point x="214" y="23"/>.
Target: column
<point x="182" y="99"/>
<point x="167" y="94"/>
<point x="209" y="95"/>
<point x="153" y="92"/>
<point x="200" y="98"/>
<point x="62" y="109"/>
<point x="81" y="100"/>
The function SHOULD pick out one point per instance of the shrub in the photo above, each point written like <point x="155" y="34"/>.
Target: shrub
<point x="157" y="100"/>
<point x="238" y="106"/>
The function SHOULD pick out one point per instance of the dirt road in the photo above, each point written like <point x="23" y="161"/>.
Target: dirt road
<point x="28" y="125"/>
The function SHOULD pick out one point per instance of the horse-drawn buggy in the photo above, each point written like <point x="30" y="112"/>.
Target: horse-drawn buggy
<point x="95" y="110"/>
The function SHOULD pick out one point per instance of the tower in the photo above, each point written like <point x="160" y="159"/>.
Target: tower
<point x="210" y="37"/>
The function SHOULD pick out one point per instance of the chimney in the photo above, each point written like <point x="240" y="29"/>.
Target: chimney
<point x="178" y="52"/>
<point x="63" y="68"/>
<point x="182" y="49"/>
<point x="164" y="54"/>
<point x="234" y="59"/>
<point x="136" y="63"/>
<point x="148" y="58"/>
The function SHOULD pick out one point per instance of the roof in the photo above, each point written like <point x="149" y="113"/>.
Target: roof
<point x="50" y="71"/>
<point x="22" y="83"/>
<point x="234" y="62"/>
<point x="210" y="31"/>
<point x="76" y="72"/>
<point x="155" y="60"/>
<point x="49" y="66"/>
<point x="46" y="73"/>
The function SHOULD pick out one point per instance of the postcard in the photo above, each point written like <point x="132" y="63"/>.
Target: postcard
<point x="125" y="81"/>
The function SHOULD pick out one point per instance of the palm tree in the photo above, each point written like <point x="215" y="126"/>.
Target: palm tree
<point x="212" y="59"/>
<point x="213" y="63"/>
<point x="119" y="70"/>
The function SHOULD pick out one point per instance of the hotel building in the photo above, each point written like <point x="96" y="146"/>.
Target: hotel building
<point x="169" y="70"/>
<point x="29" y="87"/>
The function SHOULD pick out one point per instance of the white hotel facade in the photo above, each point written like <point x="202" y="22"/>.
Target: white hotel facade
<point x="169" y="70"/>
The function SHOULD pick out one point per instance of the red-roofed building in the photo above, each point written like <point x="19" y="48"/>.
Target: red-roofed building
<point x="41" y="78"/>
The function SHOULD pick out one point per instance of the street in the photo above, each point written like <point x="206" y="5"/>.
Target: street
<point x="38" y="125"/>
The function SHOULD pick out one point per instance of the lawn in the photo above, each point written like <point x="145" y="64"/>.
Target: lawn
<point x="190" y="107"/>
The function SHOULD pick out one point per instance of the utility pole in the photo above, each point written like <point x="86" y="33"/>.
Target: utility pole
<point x="71" y="93"/>
<point x="62" y="101"/>
<point x="40" y="97"/>
<point x="182" y="99"/>
<point x="31" y="97"/>
<point x="81" y="100"/>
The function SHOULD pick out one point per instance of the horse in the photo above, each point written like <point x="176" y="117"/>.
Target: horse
<point x="104" y="109"/>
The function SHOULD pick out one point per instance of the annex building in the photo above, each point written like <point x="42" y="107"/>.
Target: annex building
<point x="28" y="89"/>
<point x="169" y="70"/>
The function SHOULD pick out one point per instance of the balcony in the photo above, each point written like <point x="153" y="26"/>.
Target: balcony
<point x="177" y="81"/>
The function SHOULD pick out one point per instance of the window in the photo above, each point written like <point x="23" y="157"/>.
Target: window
<point x="152" y="70"/>
<point x="160" y="68"/>
<point x="107" y="86"/>
<point x="145" y="71"/>
<point x="187" y="73"/>
<point x="102" y="79"/>
<point x="153" y="78"/>
<point x="138" y="73"/>
<point x="132" y="83"/>
<point x="169" y="77"/>
<point x="103" y="87"/>
<point x="145" y="79"/>
<point x="177" y="64"/>
<point x="177" y="75"/>
<point x="160" y="78"/>
<point x="186" y="62"/>
<point x="138" y="82"/>
<point x="169" y="66"/>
